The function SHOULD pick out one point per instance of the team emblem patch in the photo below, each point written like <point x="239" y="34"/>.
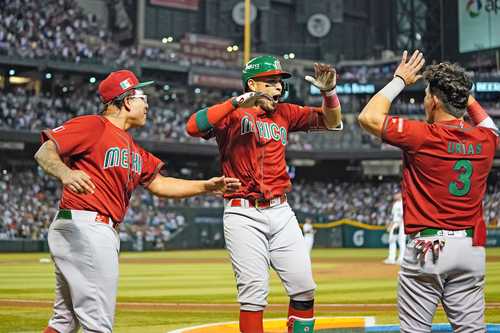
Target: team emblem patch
<point x="125" y="84"/>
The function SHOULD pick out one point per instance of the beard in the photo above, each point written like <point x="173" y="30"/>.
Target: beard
<point x="266" y="104"/>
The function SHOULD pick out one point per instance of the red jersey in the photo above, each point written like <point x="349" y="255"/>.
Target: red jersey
<point x="111" y="158"/>
<point x="252" y="146"/>
<point x="445" y="168"/>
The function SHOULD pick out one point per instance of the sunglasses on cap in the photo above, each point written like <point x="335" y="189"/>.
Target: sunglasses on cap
<point x="139" y="94"/>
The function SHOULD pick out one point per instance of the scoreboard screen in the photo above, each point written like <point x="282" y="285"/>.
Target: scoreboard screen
<point x="479" y="24"/>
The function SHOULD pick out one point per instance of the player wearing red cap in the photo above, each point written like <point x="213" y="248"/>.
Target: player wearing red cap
<point x="99" y="165"/>
<point x="260" y="228"/>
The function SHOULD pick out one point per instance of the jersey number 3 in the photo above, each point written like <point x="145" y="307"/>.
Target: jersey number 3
<point x="464" y="167"/>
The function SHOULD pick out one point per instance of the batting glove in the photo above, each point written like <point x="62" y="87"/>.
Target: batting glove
<point x="325" y="77"/>
<point x="248" y="100"/>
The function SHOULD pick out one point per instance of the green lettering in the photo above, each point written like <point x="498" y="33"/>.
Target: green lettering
<point x="450" y="147"/>
<point x="124" y="160"/>
<point x="283" y="135"/>
<point x="112" y="157"/>
<point x="260" y="126"/>
<point x="275" y="132"/>
<point x="478" y="148"/>
<point x="267" y="133"/>
<point x="462" y="187"/>
<point x="246" y="125"/>
<point x="471" y="149"/>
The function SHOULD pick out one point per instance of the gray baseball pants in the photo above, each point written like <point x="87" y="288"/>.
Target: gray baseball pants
<point x="85" y="254"/>
<point x="259" y="238"/>
<point x="456" y="279"/>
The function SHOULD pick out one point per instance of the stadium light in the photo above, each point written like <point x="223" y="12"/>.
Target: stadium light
<point x="418" y="36"/>
<point x="92" y="80"/>
<point x="285" y="56"/>
<point x="229" y="49"/>
<point x="235" y="48"/>
<point x="65" y="89"/>
<point x="166" y="87"/>
<point x="168" y="39"/>
<point x="197" y="91"/>
<point x="48" y="76"/>
<point x="412" y="100"/>
<point x="291" y="55"/>
<point x="12" y="72"/>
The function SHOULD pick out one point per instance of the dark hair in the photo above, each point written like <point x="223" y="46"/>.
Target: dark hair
<point x="451" y="84"/>
<point x="118" y="101"/>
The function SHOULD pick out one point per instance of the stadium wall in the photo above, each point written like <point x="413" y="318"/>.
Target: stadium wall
<point x="207" y="233"/>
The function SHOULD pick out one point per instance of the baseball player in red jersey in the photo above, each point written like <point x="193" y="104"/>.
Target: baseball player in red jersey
<point x="446" y="163"/>
<point x="260" y="228"/>
<point x="99" y="165"/>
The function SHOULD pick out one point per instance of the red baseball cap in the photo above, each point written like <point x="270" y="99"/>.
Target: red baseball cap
<point x="117" y="83"/>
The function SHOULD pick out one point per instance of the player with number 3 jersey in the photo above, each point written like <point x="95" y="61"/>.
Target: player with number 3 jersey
<point x="446" y="162"/>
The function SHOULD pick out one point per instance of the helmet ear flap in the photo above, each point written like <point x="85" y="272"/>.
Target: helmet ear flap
<point x="285" y="91"/>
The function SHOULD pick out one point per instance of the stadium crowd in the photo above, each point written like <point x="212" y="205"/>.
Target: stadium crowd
<point x="22" y="109"/>
<point x="29" y="200"/>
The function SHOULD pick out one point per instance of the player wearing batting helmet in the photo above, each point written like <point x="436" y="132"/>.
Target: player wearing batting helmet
<point x="99" y="165"/>
<point x="446" y="163"/>
<point x="260" y="228"/>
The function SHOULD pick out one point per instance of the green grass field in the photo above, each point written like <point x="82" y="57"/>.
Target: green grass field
<point x="182" y="288"/>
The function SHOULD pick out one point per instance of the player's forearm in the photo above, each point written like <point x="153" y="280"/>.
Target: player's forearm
<point x="478" y="115"/>
<point x="169" y="187"/>
<point x="50" y="161"/>
<point x="203" y="120"/>
<point x="373" y="115"/>
<point x="332" y="109"/>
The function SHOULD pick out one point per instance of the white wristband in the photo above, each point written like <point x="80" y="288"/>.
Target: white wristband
<point x="393" y="88"/>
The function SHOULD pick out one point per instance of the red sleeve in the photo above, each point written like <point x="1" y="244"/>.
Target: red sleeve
<point x="76" y="136"/>
<point x="404" y="133"/>
<point x="305" y="118"/>
<point x="151" y="167"/>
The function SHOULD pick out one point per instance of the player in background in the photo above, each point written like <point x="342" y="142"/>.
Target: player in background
<point x="99" y="165"/>
<point x="396" y="231"/>
<point x="446" y="162"/>
<point x="260" y="228"/>
<point x="309" y="232"/>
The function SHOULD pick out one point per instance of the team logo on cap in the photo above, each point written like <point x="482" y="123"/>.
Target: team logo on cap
<point x="125" y="84"/>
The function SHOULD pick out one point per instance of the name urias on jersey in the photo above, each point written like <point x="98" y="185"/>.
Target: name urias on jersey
<point x="265" y="130"/>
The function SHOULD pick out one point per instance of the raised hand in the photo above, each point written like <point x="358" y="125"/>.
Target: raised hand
<point x="222" y="185"/>
<point x="78" y="181"/>
<point x="408" y="69"/>
<point x="325" y="77"/>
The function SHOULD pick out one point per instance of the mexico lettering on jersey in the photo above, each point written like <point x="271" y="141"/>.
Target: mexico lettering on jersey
<point x="252" y="146"/>
<point x="112" y="159"/>
<point x="445" y="168"/>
